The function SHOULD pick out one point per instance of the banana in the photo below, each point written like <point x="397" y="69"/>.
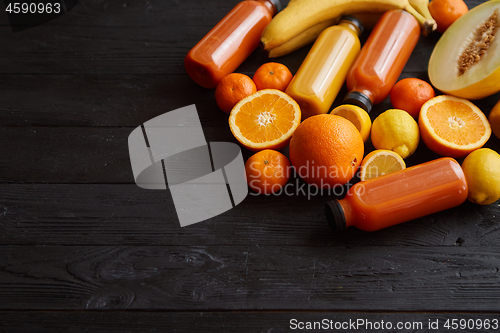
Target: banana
<point x="422" y="6"/>
<point x="309" y="35"/>
<point x="303" y="14"/>
<point x="302" y="39"/>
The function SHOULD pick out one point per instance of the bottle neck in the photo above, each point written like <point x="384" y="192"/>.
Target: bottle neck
<point x="351" y="26"/>
<point x="340" y="213"/>
<point x="270" y="6"/>
<point x="361" y="98"/>
<point x="335" y="215"/>
<point x="348" y="211"/>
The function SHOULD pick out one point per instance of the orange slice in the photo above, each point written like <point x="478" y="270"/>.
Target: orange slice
<point x="265" y="120"/>
<point x="452" y="126"/>
<point x="380" y="162"/>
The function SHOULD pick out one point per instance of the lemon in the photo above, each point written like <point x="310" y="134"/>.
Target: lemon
<point x="494" y="119"/>
<point x="482" y="171"/>
<point x="379" y="163"/>
<point x="396" y="130"/>
<point x="357" y="116"/>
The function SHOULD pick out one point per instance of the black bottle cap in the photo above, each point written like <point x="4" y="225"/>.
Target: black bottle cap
<point x="358" y="99"/>
<point x="357" y="22"/>
<point x="277" y="5"/>
<point x="335" y="215"/>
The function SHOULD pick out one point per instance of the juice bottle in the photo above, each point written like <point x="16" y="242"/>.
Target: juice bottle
<point x="382" y="59"/>
<point x="400" y="196"/>
<point x="230" y="42"/>
<point x="323" y="71"/>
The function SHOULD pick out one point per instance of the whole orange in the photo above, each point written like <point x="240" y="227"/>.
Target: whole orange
<point x="272" y="76"/>
<point x="267" y="171"/>
<point x="232" y="89"/>
<point x="410" y="94"/>
<point x="326" y="150"/>
<point x="445" y="12"/>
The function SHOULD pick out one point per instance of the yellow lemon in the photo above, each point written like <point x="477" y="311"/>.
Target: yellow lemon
<point x="396" y="130"/>
<point x="379" y="163"/>
<point x="482" y="171"/>
<point x="357" y="116"/>
<point x="494" y="119"/>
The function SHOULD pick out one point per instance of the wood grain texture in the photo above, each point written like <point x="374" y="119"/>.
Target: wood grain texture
<point x="74" y="155"/>
<point x="100" y="100"/>
<point x="251" y="277"/>
<point x="100" y="154"/>
<point x="148" y="37"/>
<point x="214" y="321"/>
<point x="83" y="248"/>
<point x="128" y="215"/>
<point x="122" y="100"/>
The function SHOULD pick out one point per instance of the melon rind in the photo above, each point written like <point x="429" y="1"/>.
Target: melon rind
<point x="480" y="80"/>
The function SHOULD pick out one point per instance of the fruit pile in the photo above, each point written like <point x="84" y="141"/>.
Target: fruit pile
<point x="328" y="149"/>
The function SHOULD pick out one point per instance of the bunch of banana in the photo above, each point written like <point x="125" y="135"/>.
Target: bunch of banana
<point x="302" y="21"/>
<point x="309" y="35"/>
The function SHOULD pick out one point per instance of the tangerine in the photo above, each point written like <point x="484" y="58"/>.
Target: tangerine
<point x="410" y="94"/>
<point x="232" y="89"/>
<point x="445" y="12"/>
<point x="272" y="75"/>
<point x="326" y="150"/>
<point x="267" y="171"/>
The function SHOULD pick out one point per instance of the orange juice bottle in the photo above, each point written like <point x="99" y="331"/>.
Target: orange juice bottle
<point x="400" y="196"/>
<point x="230" y="42"/>
<point x="382" y="59"/>
<point x="323" y="72"/>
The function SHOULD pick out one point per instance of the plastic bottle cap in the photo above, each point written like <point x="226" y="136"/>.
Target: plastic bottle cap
<point x="358" y="99"/>
<point x="335" y="215"/>
<point x="277" y="5"/>
<point x="354" y="20"/>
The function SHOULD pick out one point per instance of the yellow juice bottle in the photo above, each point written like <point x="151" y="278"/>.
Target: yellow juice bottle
<point x="324" y="70"/>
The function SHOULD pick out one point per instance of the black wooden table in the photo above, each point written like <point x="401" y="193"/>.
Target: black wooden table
<point x="82" y="248"/>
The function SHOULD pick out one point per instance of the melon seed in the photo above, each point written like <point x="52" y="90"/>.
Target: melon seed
<point x="483" y="37"/>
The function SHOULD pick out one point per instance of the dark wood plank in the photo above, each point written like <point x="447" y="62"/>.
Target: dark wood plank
<point x="100" y="154"/>
<point x="127" y="50"/>
<point x="71" y="92"/>
<point x="74" y="155"/>
<point x="454" y="278"/>
<point x="170" y="13"/>
<point x="251" y="322"/>
<point x="127" y="215"/>
<point x="104" y="50"/>
<point x="38" y="154"/>
<point x="136" y="39"/>
<point x="113" y="86"/>
<point x="100" y="100"/>
<point x="123" y="100"/>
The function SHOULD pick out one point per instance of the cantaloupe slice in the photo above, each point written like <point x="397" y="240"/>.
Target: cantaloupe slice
<point x="466" y="59"/>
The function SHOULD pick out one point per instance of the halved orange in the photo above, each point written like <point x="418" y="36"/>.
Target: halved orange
<point x="380" y="162"/>
<point x="265" y="120"/>
<point x="453" y="126"/>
